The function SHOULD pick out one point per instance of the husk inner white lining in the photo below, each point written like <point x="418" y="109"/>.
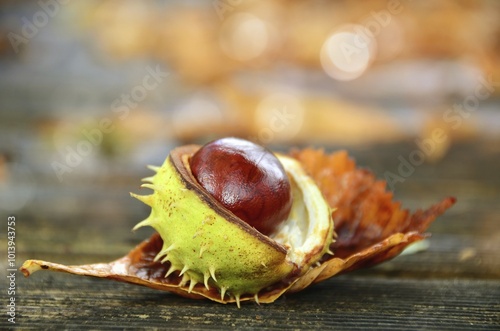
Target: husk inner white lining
<point x="309" y="226"/>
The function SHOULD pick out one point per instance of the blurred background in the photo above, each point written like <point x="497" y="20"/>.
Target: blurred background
<point x="92" y="91"/>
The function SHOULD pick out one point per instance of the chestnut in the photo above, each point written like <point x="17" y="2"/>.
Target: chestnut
<point x="245" y="178"/>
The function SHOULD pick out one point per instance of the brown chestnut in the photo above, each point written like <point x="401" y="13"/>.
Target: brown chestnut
<point x="247" y="179"/>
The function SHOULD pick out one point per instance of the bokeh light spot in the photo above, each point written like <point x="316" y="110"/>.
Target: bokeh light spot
<point x="244" y="37"/>
<point x="348" y="52"/>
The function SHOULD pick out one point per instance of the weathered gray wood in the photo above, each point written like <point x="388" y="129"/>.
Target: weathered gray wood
<point x="453" y="285"/>
<point x="346" y="302"/>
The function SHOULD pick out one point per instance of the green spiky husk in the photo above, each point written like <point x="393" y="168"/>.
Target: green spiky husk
<point x="203" y="241"/>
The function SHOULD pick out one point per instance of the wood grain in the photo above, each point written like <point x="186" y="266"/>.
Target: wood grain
<point x="348" y="302"/>
<point x="452" y="285"/>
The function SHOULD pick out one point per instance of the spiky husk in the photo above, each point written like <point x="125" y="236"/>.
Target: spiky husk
<point x="206" y="243"/>
<point x="202" y="241"/>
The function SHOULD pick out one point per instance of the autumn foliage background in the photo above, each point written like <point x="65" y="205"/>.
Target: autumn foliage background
<point x="92" y="91"/>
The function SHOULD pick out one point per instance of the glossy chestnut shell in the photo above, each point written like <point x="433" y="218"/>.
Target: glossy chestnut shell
<point x="247" y="179"/>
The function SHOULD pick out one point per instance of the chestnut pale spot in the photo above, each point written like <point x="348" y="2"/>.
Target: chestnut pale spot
<point x="245" y="178"/>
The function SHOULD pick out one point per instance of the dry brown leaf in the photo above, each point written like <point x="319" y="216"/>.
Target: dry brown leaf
<point x="371" y="228"/>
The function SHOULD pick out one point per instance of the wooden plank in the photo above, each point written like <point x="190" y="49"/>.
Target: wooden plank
<point x="346" y="302"/>
<point x="453" y="285"/>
